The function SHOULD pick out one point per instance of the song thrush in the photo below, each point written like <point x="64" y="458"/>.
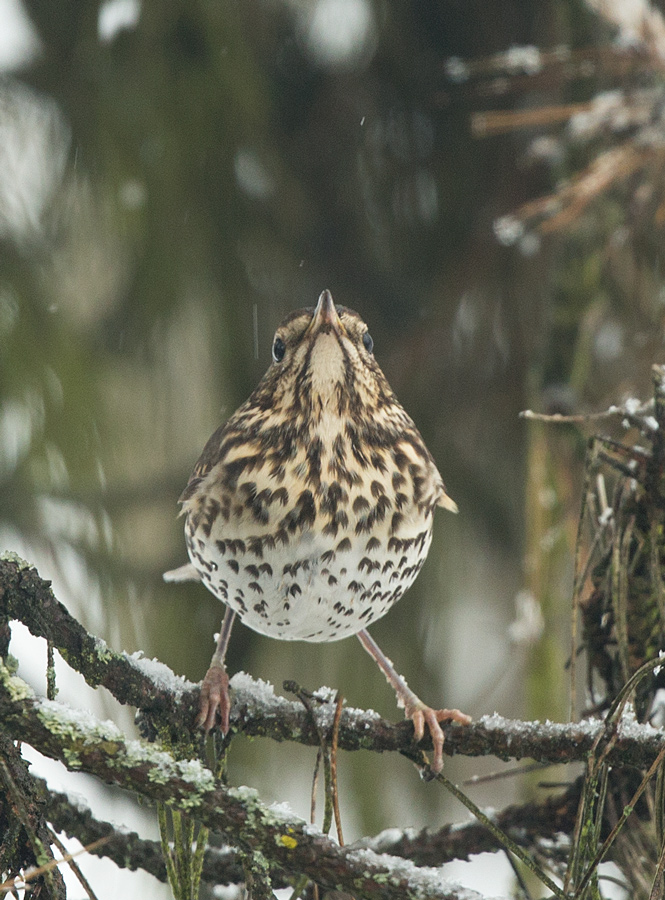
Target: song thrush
<point x="310" y="511"/>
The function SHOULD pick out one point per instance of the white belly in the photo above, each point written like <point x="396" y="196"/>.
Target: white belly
<point x="309" y="591"/>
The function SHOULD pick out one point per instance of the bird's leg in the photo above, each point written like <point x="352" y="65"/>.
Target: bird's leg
<point x="414" y="708"/>
<point x="215" y="687"/>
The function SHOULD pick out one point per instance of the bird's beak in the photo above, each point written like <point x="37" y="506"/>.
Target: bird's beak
<point x="325" y="314"/>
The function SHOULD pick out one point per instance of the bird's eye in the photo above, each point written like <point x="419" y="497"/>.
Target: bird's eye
<point x="368" y="342"/>
<point x="278" y="349"/>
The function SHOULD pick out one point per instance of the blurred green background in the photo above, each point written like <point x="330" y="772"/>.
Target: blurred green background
<point x="174" y="179"/>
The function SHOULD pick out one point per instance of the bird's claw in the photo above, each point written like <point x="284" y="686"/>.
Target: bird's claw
<point x="214" y="702"/>
<point x="422" y="715"/>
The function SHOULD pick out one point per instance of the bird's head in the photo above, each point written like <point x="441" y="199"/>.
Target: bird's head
<point x="323" y="363"/>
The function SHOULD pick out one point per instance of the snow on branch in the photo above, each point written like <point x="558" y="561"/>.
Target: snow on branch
<point x="527" y="824"/>
<point x="86" y="744"/>
<point x="168" y="703"/>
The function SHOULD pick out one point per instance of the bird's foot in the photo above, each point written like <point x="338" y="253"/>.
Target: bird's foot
<point x="422" y="715"/>
<point x="214" y="703"/>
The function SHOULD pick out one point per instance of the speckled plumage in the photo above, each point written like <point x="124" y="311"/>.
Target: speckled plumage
<point x="310" y="510"/>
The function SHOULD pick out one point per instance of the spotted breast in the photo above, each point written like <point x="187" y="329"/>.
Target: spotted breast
<point x="310" y="510"/>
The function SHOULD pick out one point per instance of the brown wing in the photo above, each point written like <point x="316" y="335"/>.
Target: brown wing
<point x="205" y="462"/>
<point x="212" y="454"/>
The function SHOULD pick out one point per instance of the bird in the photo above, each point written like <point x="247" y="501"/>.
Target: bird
<point x="310" y="510"/>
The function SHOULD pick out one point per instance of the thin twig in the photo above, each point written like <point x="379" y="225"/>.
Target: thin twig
<point x="579" y="578"/>
<point x="76" y="869"/>
<point x="505" y="773"/>
<point x="315" y="785"/>
<point x="51" y="689"/>
<point x="656" y="573"/>
<point x="333" y="766"/>
<point x="305" y="698"/>
<point x="10" y="885"/>
<point x="609" y="840"/>
<point x="39" y="850"/>
<point x="518" y="875"/>
<point x="503" y="838"/>
<point x="577" y="419"/>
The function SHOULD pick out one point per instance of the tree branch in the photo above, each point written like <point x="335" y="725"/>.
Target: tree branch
<point x="169" y="703"/>
<point x="99" y="748"/>
<point x="126" y="848"/>
<point x="25" y="596"/>
<point x="24" y="837"/>
<point x="525" y="824"/>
